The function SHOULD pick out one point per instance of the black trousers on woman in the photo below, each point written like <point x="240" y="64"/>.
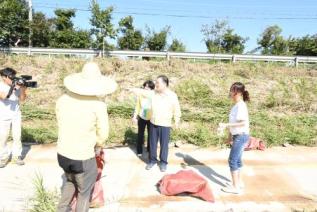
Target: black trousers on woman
<point x="142" y="124"/>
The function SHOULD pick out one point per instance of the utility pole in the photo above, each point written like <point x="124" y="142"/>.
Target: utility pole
<point x="30" y="26"/>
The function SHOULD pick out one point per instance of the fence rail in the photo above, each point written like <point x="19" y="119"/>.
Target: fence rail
<point x="141" y="54"/>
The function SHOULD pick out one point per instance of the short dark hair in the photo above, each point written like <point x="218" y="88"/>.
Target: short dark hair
<point x="149" y="83"/>
<point x="164" y="79"/>
<point x="8" y="72"/>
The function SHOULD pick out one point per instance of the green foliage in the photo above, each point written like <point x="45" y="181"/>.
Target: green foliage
<point x="102" y="28"/>
<point x="177" y="46"/>
<point x="40" y="135"/>
<point x="30" y="113"/>
<point x="14" y="23"/>
<point x="299" y="94"/>
<point x="233" y="43"/>
<point x="43" y="200"/>
<point x="194" y="92"/>
<point x="41" y="28"/>
<point x="156" y="41"/>
<point x="130" y="136"/>
<point x="63" y="19"/>
<point x="64" y="35"/>
<point x="45" y="131"/>
<point x="306" y="46"/>
<point x="80" y="39"/>
<point x="298" y="129"/>
<point x="123" y="110"/>
<point x="219" y="38"/>
<point x="200" y="134"/>
<point x="213" y="35"/>
<point x="272" y="43"/>
<point x="131" y="39"/>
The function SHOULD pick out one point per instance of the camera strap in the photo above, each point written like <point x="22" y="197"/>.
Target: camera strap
<point x="11" y="90"/>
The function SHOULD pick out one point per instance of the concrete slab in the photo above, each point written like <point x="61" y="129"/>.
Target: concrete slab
<point x="278" y="179"/>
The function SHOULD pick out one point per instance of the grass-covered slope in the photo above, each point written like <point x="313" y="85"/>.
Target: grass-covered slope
<point x="283" y="103"/>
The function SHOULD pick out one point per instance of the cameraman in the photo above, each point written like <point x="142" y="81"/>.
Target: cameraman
<point x="10" y="117"/>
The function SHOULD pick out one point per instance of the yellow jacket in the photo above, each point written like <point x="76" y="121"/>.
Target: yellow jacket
<point x="165" y="107"/>
<point x="82" y="124"/>
<point x="143" y="107"/>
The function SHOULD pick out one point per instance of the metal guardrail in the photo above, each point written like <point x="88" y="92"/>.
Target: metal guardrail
<point x="167" y="55"/>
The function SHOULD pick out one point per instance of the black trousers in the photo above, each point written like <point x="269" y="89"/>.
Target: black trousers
<point x="141" y="129"/>
<point x="162" y="134"/>
<point x="80" y="176"/>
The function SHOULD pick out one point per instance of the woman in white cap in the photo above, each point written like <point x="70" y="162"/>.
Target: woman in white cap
<point x="82" y="120"/>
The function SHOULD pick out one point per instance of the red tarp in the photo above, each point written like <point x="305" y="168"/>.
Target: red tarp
<point x="255" y="143"/>
<point x="186" y="181"/>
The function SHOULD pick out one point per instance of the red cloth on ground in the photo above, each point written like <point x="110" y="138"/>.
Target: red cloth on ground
<point x="96" y="198"/>
<point x="186" y="181"/>
<point x="255" y="143"/>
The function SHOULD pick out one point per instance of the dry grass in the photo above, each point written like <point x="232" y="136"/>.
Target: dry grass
<point x="281" y="95"/>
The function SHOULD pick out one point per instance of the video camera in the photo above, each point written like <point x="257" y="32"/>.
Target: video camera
<point x="24" y="80"/>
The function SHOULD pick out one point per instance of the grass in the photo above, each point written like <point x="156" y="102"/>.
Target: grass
<point x="43" y="199"/>
<point x="298" y="130"/>
<point x="283" y="103"/>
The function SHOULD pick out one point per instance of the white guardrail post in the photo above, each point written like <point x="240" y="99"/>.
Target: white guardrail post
<point x="167" y="56"/>
<point x="233" y="58"/>
<point x="296" y="62"/>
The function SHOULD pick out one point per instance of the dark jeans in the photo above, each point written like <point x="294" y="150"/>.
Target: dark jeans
<point x="82" y="182"/>
<point x="162" y="134"/>
<point x="141" y="128"/>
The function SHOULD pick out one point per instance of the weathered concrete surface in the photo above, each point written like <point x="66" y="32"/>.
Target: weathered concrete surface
<point x="278" y="179"/>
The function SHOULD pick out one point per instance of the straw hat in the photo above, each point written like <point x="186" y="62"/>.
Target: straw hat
<point x="90" y="82"/>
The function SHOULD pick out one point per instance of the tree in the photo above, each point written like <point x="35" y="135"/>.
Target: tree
<point x="64" y="35"/>
<point x="271" y="41"/>
<point x="63" y="19"/>
<point x="14" y="24"/>
<point x="220" y="38"/>
<point x="41" y="29"/>
<point x="213" y="35"/>
<point x="306" y="46"/>
<point x="131" y="39"/>
<point x="81" y="39"/>
<point x="177" y="46"/>
<point x="102" y="28"/>
<point x="156" y="41"/>
<point x="233" y="43"/>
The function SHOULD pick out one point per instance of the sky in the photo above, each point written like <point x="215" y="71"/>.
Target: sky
<point x="248" y="18"/>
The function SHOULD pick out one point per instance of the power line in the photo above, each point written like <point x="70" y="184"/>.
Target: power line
<point x="194" y="16"/>
<point x="268" y="13"/>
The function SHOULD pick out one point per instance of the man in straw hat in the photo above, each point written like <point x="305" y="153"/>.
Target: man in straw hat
<point x="82" y="126"/>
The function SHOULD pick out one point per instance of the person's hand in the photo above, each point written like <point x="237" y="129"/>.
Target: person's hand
<point x="221" y="129"/>
<point x="229" y="142"/>
<point x="22" y="87"/>
<point x="98" y="150"/>
<point x="17" y="86"/>
<point x="223" y="125"/>
<point x="134" y="120"/>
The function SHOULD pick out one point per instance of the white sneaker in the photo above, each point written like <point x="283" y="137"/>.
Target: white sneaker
<point x="231" y="190"/>
<point x="230" y="185"/>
